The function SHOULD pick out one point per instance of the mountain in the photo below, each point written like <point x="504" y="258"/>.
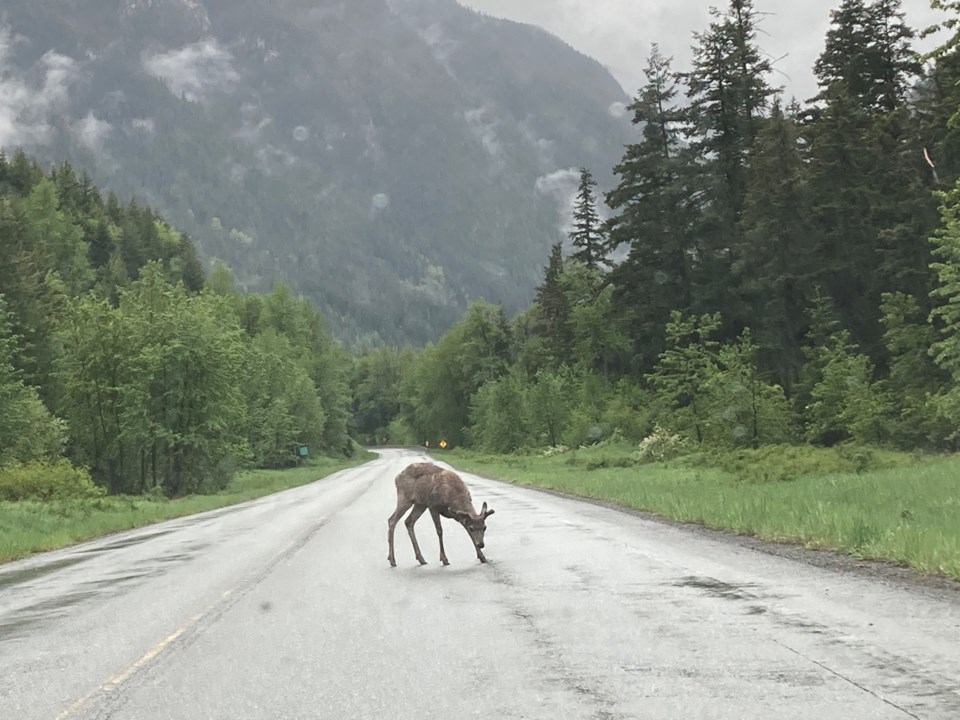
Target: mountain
<point x="392" y="160"/>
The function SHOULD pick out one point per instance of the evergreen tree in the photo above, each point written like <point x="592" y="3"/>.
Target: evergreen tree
<point x="778" y="260"/>
<point x="586" y="236"/>
<point x="868" y="52"/>
<point x="654" y="212"/>
<point x="729" y="92"/>
<point x="913" y="376"/>
<point x="946" y="315"/>
<point x="554" y="310"/>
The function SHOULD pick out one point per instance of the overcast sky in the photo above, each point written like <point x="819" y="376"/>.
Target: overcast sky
<point x="618" y="33"/>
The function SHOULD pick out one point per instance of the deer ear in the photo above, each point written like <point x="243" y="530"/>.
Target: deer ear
<point x="487" y="513"/>
<point x="483" y="510"/>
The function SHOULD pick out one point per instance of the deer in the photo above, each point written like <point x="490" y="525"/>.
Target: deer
<point x="425" y="486"/>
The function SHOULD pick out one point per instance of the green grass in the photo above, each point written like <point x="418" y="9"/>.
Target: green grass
<point x="29" y="527"/>
<point x="899" y="508"/>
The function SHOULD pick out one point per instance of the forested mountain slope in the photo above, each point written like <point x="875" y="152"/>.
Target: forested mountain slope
<point x="392" y="160"/>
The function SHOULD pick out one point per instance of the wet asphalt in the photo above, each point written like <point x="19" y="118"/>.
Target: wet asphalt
<point x="286" y="607"/>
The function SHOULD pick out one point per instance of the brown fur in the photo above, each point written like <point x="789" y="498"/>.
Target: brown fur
<point x="425" y="486"/>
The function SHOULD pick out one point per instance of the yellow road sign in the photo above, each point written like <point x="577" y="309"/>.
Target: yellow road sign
<point x="443" y="444"/>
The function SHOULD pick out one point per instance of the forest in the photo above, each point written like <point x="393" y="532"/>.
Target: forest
<point x="125" y="370"/>
<point x="771" y="271"/>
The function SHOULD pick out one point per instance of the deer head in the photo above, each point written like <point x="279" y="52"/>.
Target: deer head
<point x="475" y="526"/>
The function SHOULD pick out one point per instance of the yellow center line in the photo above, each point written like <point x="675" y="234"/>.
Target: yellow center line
<point x="117" y="680"/>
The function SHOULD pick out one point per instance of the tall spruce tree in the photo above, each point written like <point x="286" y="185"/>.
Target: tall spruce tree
<point x="554" y="310"/>
<point x="871" y="188"/>
<point x="729" y="92"/>
<point x="587" y="235"/>
<point x="654" y="212"/>
<point x="778" y="261"/>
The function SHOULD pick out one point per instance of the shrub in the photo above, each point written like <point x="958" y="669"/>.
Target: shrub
<point x="47" y="481"/>
<point x="659" y="446"/>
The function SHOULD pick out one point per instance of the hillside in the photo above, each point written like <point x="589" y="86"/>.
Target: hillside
<point x="391" y="160"/>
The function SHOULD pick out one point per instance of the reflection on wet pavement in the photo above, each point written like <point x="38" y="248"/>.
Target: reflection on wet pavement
<point x="47" y="591"/>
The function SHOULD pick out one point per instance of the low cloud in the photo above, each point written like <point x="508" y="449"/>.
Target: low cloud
<point x="617" y="110"/>
<point x="562" y="186"/>
<point x="92" y="132"/>
<point x="485" y="130"/>
<point x="195" y="72"/>
<point x="28" y="109"/>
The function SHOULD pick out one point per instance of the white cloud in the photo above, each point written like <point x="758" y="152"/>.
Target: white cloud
<point x="381" y="201"/>
<point x="485" y="130"/>
<point x="92" y="131"/>
<point x="27" y="109"/>
<point x="196" y="71"/>
<point x="617" y="110"/>
<point x="562" y="185"/>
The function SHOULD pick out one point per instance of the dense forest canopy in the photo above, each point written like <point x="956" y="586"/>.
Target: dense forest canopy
<point x="787" y="270"/>
<point x="117" y="354"/>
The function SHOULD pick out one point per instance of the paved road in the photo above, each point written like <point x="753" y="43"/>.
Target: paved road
<point x="286" y="608"/>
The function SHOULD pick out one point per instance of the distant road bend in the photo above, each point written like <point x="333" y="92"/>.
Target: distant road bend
<point x="286" y="607"/>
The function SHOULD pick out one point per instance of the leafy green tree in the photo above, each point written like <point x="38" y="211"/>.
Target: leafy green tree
<point x="598" y="341"/>
<point x="914" y="378"/>
<point x="283" y="409"/>
<point x="549" y="400"/>
<point x="686" y="367"/>
<point x="840" y="399"/>
<point x="50" y="229"/>
<point x="375" y="388"/>
<point x="154" y="388"/>
<point x="27" y="429"/>
<point x="499" y="415"/>
<point x="438" y="392"/>
<point x="747" y="410"/>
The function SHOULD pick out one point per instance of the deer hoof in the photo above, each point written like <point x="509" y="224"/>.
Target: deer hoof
<point x="422" y="561"/>
<point x="393" y="563"/>
<point x="444" y="561"/>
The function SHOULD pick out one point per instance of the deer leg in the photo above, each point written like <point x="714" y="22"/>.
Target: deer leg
<point x="402" y="507"/>
<point x="436" y="521"/>
<point x="411" y="520"/>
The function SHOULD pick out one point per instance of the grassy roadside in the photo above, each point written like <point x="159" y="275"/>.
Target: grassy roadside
<point x="29" y="527"/>
<point x="889" y="506"/>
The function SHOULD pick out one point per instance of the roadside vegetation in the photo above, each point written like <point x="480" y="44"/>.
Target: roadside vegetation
<point x="70" y="508"/>
<point x="133" y="386"/>
<point x="877" y="505"/>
